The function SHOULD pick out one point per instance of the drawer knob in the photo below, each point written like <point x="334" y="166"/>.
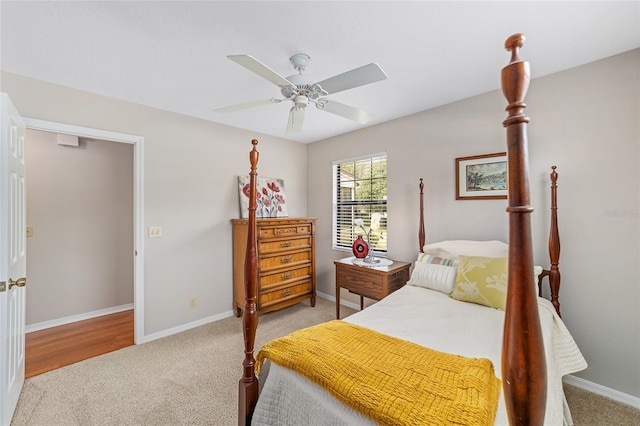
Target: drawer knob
<point x="286" y="260"/>
<point x="286" y="276"/>
<point x="286" y="292"/>
<point x="286" y="244"/>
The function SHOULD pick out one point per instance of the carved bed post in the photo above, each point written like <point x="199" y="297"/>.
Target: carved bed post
<point x="554" y="243"/>
<point x="523" y="362"/>
<point x="248" y="386"/>
<point x="421" y="234"/>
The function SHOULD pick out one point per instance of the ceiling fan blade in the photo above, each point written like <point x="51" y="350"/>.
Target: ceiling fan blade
<point x="252" y="64"/>
<point x="247" y="105"/>
<point x="296" y="118"/>
<point x="346" y="111"/>
<point x="366" y="74"/>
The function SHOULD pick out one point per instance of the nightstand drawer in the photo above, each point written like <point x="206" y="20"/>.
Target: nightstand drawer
<point x="270" y="246"/>
<point x="362" y="281"/>
<point x="282" y="277"/>
<point x="281" y="294"/>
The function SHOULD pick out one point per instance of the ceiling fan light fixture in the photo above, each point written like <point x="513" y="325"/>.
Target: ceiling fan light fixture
<point x="301" y="102"/>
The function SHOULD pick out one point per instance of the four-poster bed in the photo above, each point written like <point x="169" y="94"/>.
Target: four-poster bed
<point x="533" y="359"/>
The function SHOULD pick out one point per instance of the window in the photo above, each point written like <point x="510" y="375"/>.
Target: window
<point x="360" y="192"/>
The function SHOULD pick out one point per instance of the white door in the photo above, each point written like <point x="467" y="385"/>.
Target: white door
<point x="13" y="265"/>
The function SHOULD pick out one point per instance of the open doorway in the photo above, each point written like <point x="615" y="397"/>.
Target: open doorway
<point x="80" y="252"/>
<point x="78" y="269"/>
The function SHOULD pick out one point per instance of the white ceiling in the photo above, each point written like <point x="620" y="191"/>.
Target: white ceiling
<point x="172" y="55"/>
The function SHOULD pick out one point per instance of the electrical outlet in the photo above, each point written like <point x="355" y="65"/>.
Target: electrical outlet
<point x="192" y="303"/>
<point x="155" y="232"/>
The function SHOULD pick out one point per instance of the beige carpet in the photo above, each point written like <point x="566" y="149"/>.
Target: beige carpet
<point x="192" y="379"/>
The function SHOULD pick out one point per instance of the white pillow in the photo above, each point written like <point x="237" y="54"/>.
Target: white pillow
<point x="455" y="248"/>
<point x="435" y="273"/>
<point x="434" y="276"/>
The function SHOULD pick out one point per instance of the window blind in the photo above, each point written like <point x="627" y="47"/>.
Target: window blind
<point x="360" y="192"/>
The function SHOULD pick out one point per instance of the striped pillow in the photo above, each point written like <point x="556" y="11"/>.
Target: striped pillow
<point x="427" y="258"/>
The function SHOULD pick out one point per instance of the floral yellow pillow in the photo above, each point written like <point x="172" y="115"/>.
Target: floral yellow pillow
<point x="481" y="280"/>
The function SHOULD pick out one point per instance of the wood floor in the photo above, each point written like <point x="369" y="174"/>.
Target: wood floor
<point x="57" y="347"/>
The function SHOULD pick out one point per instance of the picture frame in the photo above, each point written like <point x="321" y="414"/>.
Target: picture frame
<point x="482" y="177"/>
<point x="272" y="200"/>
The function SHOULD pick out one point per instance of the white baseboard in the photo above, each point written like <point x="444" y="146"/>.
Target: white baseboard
<point x="602" y="391"/>
<point x="185" y="327"/>
<point x="79" y="317"/>
<point x="342" y="302"/>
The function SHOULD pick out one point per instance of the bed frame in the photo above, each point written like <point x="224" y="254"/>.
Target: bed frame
<point x="523" y="361"/>
<point x="554" y="243"/>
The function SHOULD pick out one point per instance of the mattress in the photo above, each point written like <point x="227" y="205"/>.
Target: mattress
<point x="431" y="319"/>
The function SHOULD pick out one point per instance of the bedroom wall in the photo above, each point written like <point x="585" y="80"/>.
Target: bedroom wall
<point x="586" y="122"/>
<point x="80" y="207"/>
<point x="190" y="189"/>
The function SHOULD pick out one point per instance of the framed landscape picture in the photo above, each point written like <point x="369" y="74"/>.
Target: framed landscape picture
<point x="481" y="177"/>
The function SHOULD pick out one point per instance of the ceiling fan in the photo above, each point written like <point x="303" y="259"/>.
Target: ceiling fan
<point x="301" y="89"/>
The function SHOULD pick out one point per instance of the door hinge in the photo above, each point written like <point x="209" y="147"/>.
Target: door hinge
<point x="3" y="286"/>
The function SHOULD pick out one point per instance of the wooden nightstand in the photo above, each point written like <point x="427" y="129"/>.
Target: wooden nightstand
<point x="372" y="282"/>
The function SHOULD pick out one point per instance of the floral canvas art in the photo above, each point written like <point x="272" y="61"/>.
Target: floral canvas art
<point x="271" y="200"/>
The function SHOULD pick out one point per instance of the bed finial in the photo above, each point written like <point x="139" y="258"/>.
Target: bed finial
<point x="514" y="43"/>
<point x="523" y="362"/>
<point x="421" y="233"/>
<point x="248" y="385"/>
<point x="515" y="81"/>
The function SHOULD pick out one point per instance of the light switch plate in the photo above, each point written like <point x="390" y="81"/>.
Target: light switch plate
<point x="155" y="232"/>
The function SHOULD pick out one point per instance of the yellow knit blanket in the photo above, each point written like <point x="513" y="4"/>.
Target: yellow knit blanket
<point x="392" y="381"/>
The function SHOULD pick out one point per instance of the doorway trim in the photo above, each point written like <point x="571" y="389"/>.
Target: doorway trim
<point x="138" y="202"/>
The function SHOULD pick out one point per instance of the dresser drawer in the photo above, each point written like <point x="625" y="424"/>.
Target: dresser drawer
<point x="281" y="294"/>
<point x="282" y="277"/>
<point x="274" y="246"/>
<point x="284" y="231"/>
<point x="267" y="263"/>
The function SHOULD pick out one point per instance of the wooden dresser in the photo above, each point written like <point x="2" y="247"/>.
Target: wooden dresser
<point x="286" y="262"/>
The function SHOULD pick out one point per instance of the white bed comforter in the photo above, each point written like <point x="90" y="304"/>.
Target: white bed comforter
<point x="431" y="319"/>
